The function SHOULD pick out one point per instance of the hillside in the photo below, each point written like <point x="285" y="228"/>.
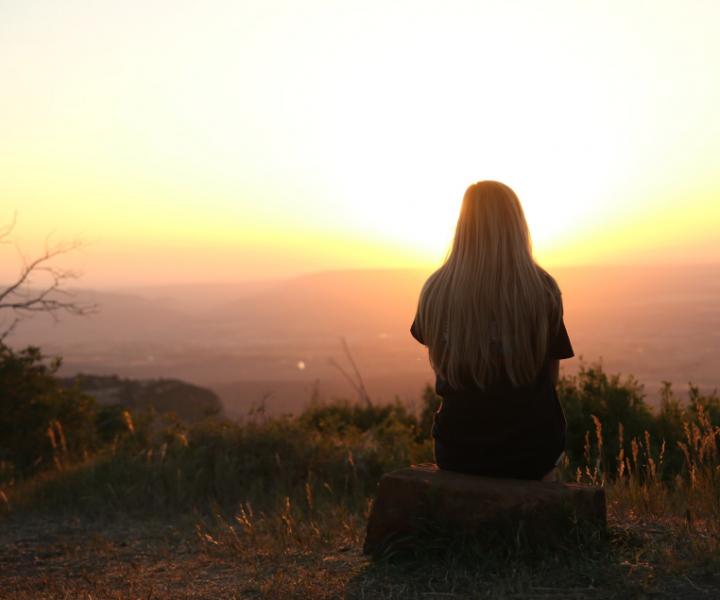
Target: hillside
<point x="188" y="402"/>
<point x="273" y="341"/>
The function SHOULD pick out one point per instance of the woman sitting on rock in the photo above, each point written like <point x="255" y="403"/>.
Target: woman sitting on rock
<point x="492" y="320"/>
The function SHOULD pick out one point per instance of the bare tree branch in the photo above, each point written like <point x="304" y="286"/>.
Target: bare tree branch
<point x="22" y="299"/>
<point x="8" y="330"/>
<point x="361" y="383"/>
<point x="358" y="384"/>
<point x="345" y="374"/>
<point x="6" y="230"/>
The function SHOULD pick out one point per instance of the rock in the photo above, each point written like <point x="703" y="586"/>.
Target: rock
<point x="424" y="498"/>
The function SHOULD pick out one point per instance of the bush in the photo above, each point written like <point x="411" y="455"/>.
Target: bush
<point x="593" y="399"/>
<point x="342" y="416"/>
<point x="334" y="450"/>
<point x="42" y="423"/>
<point x="609" y="422"/>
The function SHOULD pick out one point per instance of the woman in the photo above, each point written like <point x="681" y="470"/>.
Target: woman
<point x="492" y="320"/>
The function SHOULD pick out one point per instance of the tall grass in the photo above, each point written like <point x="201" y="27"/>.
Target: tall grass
<point x="643" y="486"/>
<point x="328" y="460"/>
<point x="287" y="499"/>
<point x="334" y="454"/>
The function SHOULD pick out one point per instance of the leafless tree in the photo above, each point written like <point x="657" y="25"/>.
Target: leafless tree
<point x="23" y="297"/>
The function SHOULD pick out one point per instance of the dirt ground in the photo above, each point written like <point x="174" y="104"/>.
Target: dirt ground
<point x="50" y="557"/>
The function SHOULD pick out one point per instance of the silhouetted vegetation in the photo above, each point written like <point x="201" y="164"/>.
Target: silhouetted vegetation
<point x="134" y="458"/>
<point x="608" y="416"/>
<point x="47" y="422"/>
<point x="42" y="422"/>
<point x="25" y="296"/>
<point x="289" y="487"/>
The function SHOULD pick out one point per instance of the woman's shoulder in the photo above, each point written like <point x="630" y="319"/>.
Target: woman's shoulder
<point x="554" y="295"/>
<point x="549" y="279"/>
<point x="551" y="285"/>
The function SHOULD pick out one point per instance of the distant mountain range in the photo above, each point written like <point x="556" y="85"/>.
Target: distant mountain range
<point x="273" y="341"/>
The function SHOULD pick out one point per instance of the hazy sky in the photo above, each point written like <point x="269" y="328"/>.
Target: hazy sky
<point x="229" y="140"/>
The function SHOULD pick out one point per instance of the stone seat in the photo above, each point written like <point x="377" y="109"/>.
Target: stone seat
<point x="410" y="499"/>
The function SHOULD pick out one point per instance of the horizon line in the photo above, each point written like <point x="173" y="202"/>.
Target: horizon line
<point x="316" y="272"/>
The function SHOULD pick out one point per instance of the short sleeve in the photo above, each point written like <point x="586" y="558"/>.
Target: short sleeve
<point x="415" y="333"/>
<point x="559" y="346"/>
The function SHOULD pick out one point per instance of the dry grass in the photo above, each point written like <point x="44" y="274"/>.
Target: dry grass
<point x="283" y="555"/>
<point x="83" y="532"/>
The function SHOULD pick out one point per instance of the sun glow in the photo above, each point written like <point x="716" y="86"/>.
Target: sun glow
<point x="283" y="136"/>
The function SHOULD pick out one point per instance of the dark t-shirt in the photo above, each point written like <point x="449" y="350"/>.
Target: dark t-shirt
<point x="503" y="430"/>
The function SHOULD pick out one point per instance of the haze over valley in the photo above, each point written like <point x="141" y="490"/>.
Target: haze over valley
<point x="274" y="342"/>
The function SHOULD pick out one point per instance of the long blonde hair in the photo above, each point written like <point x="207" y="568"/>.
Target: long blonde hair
<point x="487" y="308"/>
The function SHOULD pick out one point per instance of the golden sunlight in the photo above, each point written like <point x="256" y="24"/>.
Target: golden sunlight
<point x="279" y="126"/>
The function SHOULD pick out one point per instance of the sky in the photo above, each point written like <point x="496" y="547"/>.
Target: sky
<point x="231" y="140"/>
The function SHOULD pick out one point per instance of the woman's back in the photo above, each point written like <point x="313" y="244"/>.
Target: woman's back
<point x="496" y="332"/>
<point x="502" y="429"/>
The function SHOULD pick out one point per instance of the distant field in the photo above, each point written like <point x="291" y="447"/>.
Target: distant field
<point x="272" y="342"/>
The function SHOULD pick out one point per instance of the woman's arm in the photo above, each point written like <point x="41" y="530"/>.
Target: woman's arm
<point x="554" y="371"/>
